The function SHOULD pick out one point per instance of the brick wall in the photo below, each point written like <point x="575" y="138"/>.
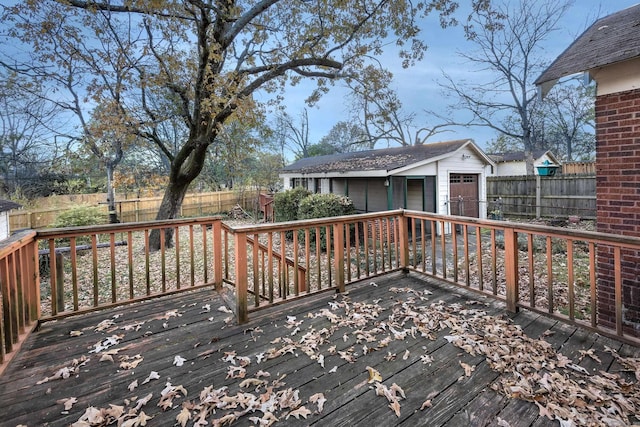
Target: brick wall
<point x="618" y="201"/>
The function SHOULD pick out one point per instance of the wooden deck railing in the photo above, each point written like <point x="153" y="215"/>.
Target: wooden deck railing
<point x="100" y="266"/>
<point x="545" y="269"/>
<point x="19" y="292"/>
<point x="549" y="270"/>
<point x="334" y="251"/>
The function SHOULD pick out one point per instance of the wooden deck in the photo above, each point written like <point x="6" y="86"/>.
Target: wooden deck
<point x="186" y="345"/>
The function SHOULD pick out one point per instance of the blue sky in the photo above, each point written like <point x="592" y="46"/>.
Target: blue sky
<point x="417" y="86"/>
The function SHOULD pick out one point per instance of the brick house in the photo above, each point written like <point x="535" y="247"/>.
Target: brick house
<point x="609" y="53"/>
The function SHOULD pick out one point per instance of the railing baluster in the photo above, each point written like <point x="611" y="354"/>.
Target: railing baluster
<point x="9" y="326"/>
<point x="176" y="247"/>
<point x="532" y="279"/>
<point x="592" y="284"/>
<point x="112" y="259"/>
<point x="217" y="253"/>
<point x="327" y="232"/>
<point x="307" y="259"/>
<point x="511" y="268"/>
<point x="52" y="276"/>
<point x="454" y="250"/>
<point x="494" y="266"/>
<point x="434" y="235"/>
<point x="479" y="253"/>
<point x="443" y="249"/>
<point x="147" y="272"/>
<point x="549" y="275"/>
<point x="256" y="273"/>
<point x="240" y="252"/>
<point x="618" y="288"/>
<point x="270" y="262"/>
<point x="205" y="253"/>
<point x="570" y="280"/>
<point x="338" y="253"/>
<point x="356" y="231"/>
<point x="296" y="279"/>
<point x="348" y="250"/>
<point x="284" y="283"/>
<point x="318" y="258"/>
<point x="130" y="262"/>
<point x="94" y="260"/>
<point x="467" y="271"/>
<point x="367" y="227"/>
<point x="74" y="272"/>
<point x="192" y="254"/>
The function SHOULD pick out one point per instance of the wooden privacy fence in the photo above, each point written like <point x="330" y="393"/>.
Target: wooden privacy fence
<point x="144" y="209"/>
<point x="542" y="196"/>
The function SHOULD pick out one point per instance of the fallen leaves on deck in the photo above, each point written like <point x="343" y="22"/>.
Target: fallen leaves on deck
<point x="347" y="331"/>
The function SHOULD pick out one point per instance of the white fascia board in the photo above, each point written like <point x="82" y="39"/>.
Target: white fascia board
<point x="352" y="174"/>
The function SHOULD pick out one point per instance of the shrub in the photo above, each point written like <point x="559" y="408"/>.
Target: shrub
<point x="323" y="206"/>
<point x="286" y="203"/>
<point x="81" y="216"/>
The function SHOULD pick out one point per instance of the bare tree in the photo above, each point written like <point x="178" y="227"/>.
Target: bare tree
<point x="571" y="119"/>
<point x="28" y="145"/>
<point x="378" y="109"/>
<point x="294" y="135"/>
<point x="508" y="37"/>
<point x="346" y="137"/>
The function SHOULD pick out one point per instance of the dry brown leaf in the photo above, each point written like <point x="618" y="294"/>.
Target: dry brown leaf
<point x="106" y="358"/>
<point x="152" y="376"/>
<point x="468" y="369"/>
<point x="319" y="400"/>
<point x="130" y="362"/>
<point x="300" y="412"/>
<point x="374" y="375"/>
<point x="395" y="407"/>
<point x="67" y="402"/>
<point x="183" y="417"/>
<point x="426" y="404"/>
<point x="395" y="388"/>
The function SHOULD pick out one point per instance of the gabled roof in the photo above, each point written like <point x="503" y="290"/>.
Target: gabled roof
<point x="520" y="156"/>
<point x="387" y="159"/>
<point x="7" y="205"/>
<point x="614" y="38"/>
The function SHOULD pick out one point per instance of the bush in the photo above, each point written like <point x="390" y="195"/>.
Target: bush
<point x="323" y="206"/>
<point x="82" y="216"/>
<point x="286" y="203"/>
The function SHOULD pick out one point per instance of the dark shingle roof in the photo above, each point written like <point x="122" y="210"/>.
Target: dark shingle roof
<point x="7" y="205"/>
<point x="612" y="39"/>
<point x="383" y="159"/>
<point x="515" y="156"/>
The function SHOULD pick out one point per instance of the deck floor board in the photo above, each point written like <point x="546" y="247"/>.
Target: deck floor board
<point x="193" y="327"/>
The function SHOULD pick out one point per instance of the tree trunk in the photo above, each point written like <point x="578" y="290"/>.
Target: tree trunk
<point x="111" y="195"/>
<point x="169" y="209"/>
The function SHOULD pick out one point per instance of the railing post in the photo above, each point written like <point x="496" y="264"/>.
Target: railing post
<point x="240" y="250"/>
<point x="33" y="280"/>
<point x="403" y="231"/>
<point x="59" y="281"/>
<point x="511" y="268"/>
<point x="338" y="253"/>
<point x="217" y="254"/>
